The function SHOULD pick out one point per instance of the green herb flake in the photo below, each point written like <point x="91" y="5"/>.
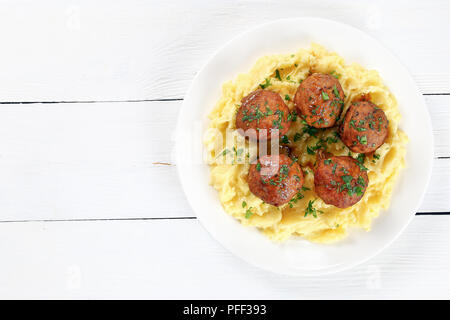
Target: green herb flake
<point x="336" y="92"/>
<point x="312" y="131"/>
<point x="334" y="169"/>
<point x="347" y="178"/>
<point x="284" y="170"/>
<point x="277" y="75"/>
<point x="285" y="139"/>
<point x="297" y="197"/>
<point x="361" y="181"/>
<point x="248" y="213"/>
<point x="362" y="139"/>
<point x="335" y="74"/>
<point x="266" y="84"/>
<point x="310" y="210"/>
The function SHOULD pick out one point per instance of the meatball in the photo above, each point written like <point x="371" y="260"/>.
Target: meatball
<point x="365" y="127"/>
<point x="263" y="109"/>
<point x="275" y="179"/>
<point x="340" y="181"/>
<point x="320" y="99"/>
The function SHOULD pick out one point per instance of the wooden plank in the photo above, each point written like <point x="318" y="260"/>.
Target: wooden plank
<point x="109" y="160"/>
<point x="177" y="259"/>
<point x="96" y="50"/>
<point x="438" y="106"/>
<point x="75" y="161"/>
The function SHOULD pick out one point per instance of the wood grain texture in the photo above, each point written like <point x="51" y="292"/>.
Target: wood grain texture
<point x="77" y="50"/>
<point x="104" y="259"/>
<point x="113" y="160"/>
<point x="74" y="161"/>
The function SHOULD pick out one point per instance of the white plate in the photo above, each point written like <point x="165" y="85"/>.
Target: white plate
<point x="297" y="256"/>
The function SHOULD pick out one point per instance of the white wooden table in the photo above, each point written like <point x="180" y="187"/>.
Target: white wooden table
<point x="90" y="204"/>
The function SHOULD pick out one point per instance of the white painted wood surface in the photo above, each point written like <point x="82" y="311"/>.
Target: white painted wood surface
<point x="108" y="160"/>
<point x="181" y="260"/>
<point x="73" y="50"/>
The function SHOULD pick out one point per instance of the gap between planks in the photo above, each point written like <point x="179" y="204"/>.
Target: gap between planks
<point x="159" y="218"/>
<point x="154" y="163"/>
<point x="139" y="100"/>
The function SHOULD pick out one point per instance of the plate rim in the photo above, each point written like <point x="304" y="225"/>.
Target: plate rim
<point x="317" y="272"/>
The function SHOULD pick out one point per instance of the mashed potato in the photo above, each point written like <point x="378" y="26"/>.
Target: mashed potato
<point x="280" y="223"/>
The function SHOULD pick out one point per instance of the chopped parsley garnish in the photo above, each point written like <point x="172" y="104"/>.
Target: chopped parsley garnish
<point x="287" y="98"/>
<point x="361" y="181"/>
<point x="238" y="152"/>
<point x="312" y="131"/>
<point x="335" y="74"/>
<point x="315" y="110"/>
<point x="266" y="84"/>
<point x="362" y="139"/>
<point x="297" y="136"/>
<point x="310" y="151"/>
<point x="344" y="170"/>
<point x="257" y="115"/>
<point x="272" y="182"/>
<point x="361" y="157"/>
<point x="292" y="116"/>
<point x="334" y="169"/>
<point x="331" y="140"/>
<point x="360" y="161"/>
<point x="284" y="170"/>
<point x="248" y="213"/>
<point x="277" y="123"/>
<point x="297" y="197"/>
<point x="352" y="190"/>
<point x="347" y="178"/>
<point x="336" y="92"/>
<point x="285" y="139"/>
<point x="327" y="161"/>
<point x="310" y="210"/>
<point x="258" y="166"/>
<point x="277" y="75"/>
<point x="244" y="204"/>
<point x="325" y="96"/>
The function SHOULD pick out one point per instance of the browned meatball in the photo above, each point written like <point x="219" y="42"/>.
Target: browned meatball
<point x="339" y="181"/>
<point x="365" y="127"/>
<point x="320" y="99"/>
<point x="263" y="109"/>
<point x="275" y="179"/>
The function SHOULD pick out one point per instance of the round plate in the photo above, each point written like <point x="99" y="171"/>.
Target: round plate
<point x="298" y="256"/>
